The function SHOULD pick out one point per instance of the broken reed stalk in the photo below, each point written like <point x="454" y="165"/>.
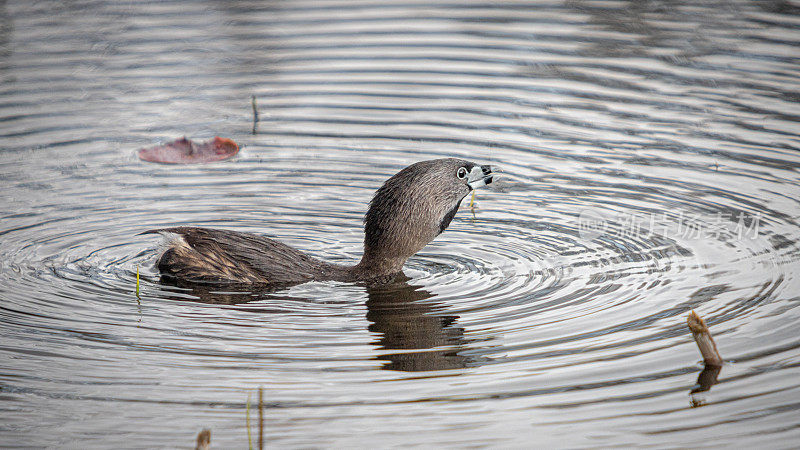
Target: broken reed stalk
<point x="203" y="440"/>
<point x="261" y="418"/>
<point x="255" y="112"/>
<point x="702" y="336"/>
<point x="247" y="418"/>
<point x="137" y="282"/>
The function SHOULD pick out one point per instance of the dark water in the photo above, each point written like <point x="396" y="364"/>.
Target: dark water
<point x="650" y="167"/>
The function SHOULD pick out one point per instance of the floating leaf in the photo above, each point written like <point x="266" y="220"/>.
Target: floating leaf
<point x="184" y="151"/>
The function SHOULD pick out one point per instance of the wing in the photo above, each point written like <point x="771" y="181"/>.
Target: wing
<point x="222" y="256"/>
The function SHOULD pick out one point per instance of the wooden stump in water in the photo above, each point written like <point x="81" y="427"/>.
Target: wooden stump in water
<point x="203" y="440"/>
<point x="711" y="357"/>
<point x="702" y="336"/>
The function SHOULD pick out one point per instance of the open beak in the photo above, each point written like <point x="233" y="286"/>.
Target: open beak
<point x="479" y="176"/>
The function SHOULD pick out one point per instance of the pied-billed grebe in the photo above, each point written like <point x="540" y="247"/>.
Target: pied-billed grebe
<point x="406" y="213"/>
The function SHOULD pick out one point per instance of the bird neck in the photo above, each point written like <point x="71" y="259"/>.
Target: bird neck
<point x="378" y="264"/>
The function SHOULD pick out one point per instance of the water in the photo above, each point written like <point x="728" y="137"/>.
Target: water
<point x="650" y="167"/>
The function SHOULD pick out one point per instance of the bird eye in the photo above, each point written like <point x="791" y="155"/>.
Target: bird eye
<point x="462" y="173"/>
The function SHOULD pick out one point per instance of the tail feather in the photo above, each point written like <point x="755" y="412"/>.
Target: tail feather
<point x="191" y="256"/>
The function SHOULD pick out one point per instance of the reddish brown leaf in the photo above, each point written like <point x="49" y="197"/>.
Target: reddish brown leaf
<point x="184" y="151"/>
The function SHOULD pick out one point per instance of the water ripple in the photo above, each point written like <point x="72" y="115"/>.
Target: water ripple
<point x="648" y="167"/>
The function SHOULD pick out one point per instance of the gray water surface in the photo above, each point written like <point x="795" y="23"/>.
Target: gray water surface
<point x="650" y="166"/>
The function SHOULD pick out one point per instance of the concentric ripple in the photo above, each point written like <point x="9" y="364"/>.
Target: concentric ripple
<point x="648" y="166"/>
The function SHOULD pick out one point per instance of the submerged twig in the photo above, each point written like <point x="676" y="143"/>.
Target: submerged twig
<point x="260" y="418"/>
<point x="203" y="440"/>
<point x="702" y="336"/>
<point x="255" y="113"/>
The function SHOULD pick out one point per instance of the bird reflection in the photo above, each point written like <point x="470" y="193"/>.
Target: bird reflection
<point x="429" y="339"/>
<point x="413" y="334"/>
